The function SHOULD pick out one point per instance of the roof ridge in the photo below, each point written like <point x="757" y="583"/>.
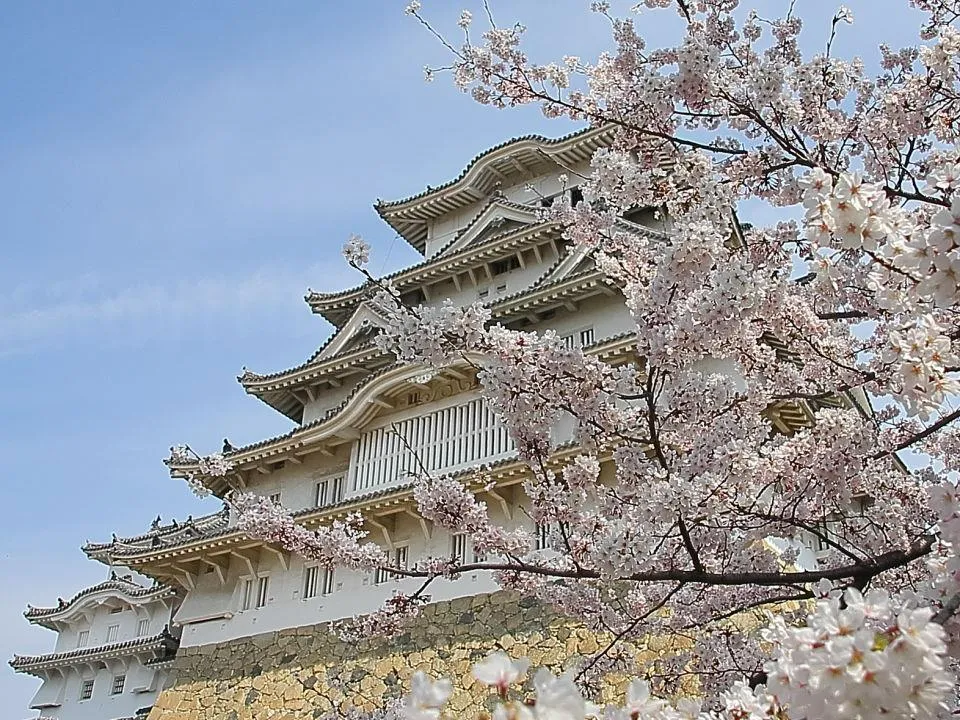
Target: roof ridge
<point x="536" y="137"/>
<point x="115" y="584"/>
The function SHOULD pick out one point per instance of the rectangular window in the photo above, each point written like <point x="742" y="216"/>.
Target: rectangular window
<point x="86" y="690"/>
<point x="262" y="586"/>
<point x="275" y="498"/>
<point x="114" y="611"/>
<point x="310" y="575"/>
<point x="483" y="294"/>
<point x="112" y="632"/>
<point x="246" y="601"/>
<point x="459" y="548"/>
<point x="83" y="638"/>
<point x="143" y="627"/>
<point x="118" y="683"/>
<point x="567" y="341"/>
<point x="586" y="337"/>
<point x="400" y="556"/>
<point x="501" y="289"/>
<point x="327" y="587"/>
<point x="550" y="535"/>
<point x="330" y="491"/>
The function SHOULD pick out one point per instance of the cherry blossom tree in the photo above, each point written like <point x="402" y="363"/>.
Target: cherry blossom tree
<point x="685" y="510"/>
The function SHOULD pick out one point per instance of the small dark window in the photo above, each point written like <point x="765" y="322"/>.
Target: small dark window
<point x="503" y="266"/>
<point x="86" y="690"/>
<point x="576" y="196"/>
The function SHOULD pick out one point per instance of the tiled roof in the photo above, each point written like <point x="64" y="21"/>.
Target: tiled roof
<point x="126" y="587"/>
<point x="249" y="379"/>
<point x="407" y="216"/>
<point x="336" y="306"/>
<point x="162" y="642"/>
<point x="400" y="489"/>
<point x="161" y="534"/>
<point x="535" y="137"/>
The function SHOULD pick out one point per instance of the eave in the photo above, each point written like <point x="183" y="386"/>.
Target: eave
<point x="339" y="306"/>
<point x="338" y="427"/>
<point x="162" y="643"/>
<point x="131" y="593"/>
<point x="288" y="391"/>
<point x="200" y="526"/>
<point x="505" y="165"/>
<point x="174" y="564"/>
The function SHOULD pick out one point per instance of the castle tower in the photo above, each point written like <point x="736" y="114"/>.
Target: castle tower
<point x="255" y="619"/>
<point x="114" y="645"/>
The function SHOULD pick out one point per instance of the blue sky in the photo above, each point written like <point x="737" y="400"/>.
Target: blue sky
<point x="174" y="177"/>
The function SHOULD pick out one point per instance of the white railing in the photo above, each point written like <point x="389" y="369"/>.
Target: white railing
<point x="446" y="440"/>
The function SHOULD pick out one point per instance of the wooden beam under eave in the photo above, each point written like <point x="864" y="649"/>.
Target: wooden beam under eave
<point x="308" y="389"/>
<point x="348" y="433"/>
<point x="521" y="260"/>
<point x="473" y="276"/>
<point x="570" y="306"/>
<point x="425" y="289"/>
<point x="380" y="402"/>
<point x="496" y="173"/>
<point x="183" y="574"/>
<point x="280" y="555"/>
<point x="334" y="381"/>
<point x="246" y="561"/>
<point x="263" y="470"/>
<point x="504" y="504"/>
<point x="425" y="527"/>
<point x="218" y="569"/>
<point x="456" y="280"/>
<point x="387" y="538"/>
<point x="536" y="252"/>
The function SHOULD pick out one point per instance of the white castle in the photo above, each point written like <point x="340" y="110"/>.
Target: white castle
<point x="360" y="419"/>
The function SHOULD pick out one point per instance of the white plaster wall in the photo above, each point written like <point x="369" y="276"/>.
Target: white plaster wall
<point x="443" y="229"/>
<point x="547" y="185"/>
<point x="329" y="398"/>
<point x="141" y="688"/>
<point x="606" y="314"/>
<point x="297" y="483"/>
<point x="98" y="619"/>
<point x="354" y="592"/>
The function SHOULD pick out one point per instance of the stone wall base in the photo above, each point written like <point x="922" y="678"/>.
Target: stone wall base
<point x="308" y="672"/>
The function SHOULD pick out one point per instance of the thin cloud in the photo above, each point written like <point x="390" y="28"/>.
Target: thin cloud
<point x="35" y="317"/>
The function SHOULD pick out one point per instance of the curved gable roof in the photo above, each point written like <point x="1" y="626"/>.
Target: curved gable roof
<point x="507" y="164"/>
<point x="125" y="591"/>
